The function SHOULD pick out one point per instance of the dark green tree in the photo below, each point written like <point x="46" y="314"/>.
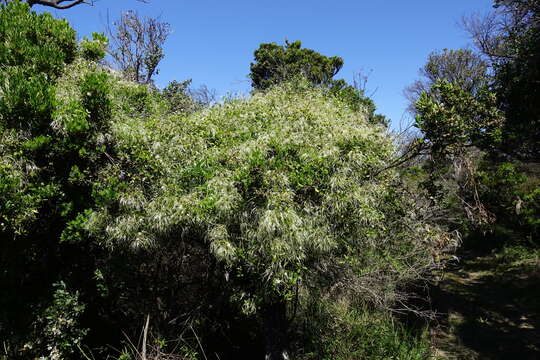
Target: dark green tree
<point x="508" y="37"/>
<point x="517" y="80"/>
<point x="52" y="142"/>
<point x="275" y="64"/>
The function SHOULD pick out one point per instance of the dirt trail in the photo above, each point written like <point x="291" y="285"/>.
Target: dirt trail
<point x="487" y="311"/>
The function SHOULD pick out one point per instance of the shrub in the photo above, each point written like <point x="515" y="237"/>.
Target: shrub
<point x="280" y="189"/>
<point x="59" y="333"/>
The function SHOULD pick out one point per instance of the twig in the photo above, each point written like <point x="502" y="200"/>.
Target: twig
<point x="145" y="334"/>
<point x="196" y="337"/>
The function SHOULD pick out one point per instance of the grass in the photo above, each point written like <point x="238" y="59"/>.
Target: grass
<point x="342" y="331"/>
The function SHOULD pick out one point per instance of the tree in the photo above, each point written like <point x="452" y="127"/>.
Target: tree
<point x="52" y="143"/>
<point x="460" y="67"/>
<point x="457" y="113"/>
<point x="137" y="45"/>
<point x="182" y="99"/>
<point x="275" y="64"/>
<point x="452" y="118"/>
<point x="508" y="38"/>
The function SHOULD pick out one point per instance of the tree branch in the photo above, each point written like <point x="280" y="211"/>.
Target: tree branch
<point x="413" y="151"/>
<point x="57" y="4"/>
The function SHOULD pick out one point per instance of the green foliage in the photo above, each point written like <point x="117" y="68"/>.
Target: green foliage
<point x="36" y="42"/>
<point x="531" y="213"/>
<point x="33" y="51"/>
<point x="60" y="334"/>
<point x="205" y="214"/>
<point x="507" y="180"/>
<point x="213" y="185"/>
<point x="20" y="198"/>
<point x="356" y="99"/>
<point x="340" y="331"/>
<point x="275" y="64"/>
<point x="95" y="99"/>
<point x="54" y="117"/>
<point x="178" y="97"/>
<point x="95" y="49"/>
<point x="277" y="190"/>
<point x="512" y="196"/>
<point x="514" y="256"/>
<point x="461" y="67"/>
<point x="134" y="99"/>
<point x="455" y="118"/>
<point x="517" y="73"/>
<point x="476" y="123"/>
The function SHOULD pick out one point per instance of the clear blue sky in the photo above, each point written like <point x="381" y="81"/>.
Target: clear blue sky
<point x="213" y="41"/>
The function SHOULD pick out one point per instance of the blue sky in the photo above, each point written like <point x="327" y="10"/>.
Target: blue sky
<point x="213" y="41"/>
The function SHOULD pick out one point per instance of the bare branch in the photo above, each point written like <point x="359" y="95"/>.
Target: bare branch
<point x="62" y="4"/>
<point x="57" y="4"/>
<point x="137" y="45"/>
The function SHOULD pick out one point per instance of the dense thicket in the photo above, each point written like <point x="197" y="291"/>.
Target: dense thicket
<point x="276" y="225"/>
<point x="257" y="227"/>
<point x="280" y="191"/>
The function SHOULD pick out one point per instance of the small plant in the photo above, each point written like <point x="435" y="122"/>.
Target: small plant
<point x="61" y="334"/>
<point x="156" y="348"/>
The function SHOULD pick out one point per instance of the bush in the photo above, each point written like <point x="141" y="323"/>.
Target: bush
<point x="513" y="197"/>
<point x="33" y="52"/>
<point x="279" y="190"/>
<point x="36" y="42"/>
<point x="59" y="334"/>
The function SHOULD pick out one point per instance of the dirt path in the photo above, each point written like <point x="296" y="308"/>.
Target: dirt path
<point x="488" y="311"/>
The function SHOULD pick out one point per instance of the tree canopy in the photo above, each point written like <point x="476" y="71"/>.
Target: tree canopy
<point x="275" y="64"/>
<point x="508" y="38"/>
<point x="278" y="63"/>
<point x="460" y="67"/>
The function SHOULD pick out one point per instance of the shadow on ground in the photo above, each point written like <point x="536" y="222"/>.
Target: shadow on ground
<point x="486" y="312"/>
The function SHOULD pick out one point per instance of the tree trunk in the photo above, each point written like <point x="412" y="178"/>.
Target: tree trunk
<point x="275" y="329"/>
